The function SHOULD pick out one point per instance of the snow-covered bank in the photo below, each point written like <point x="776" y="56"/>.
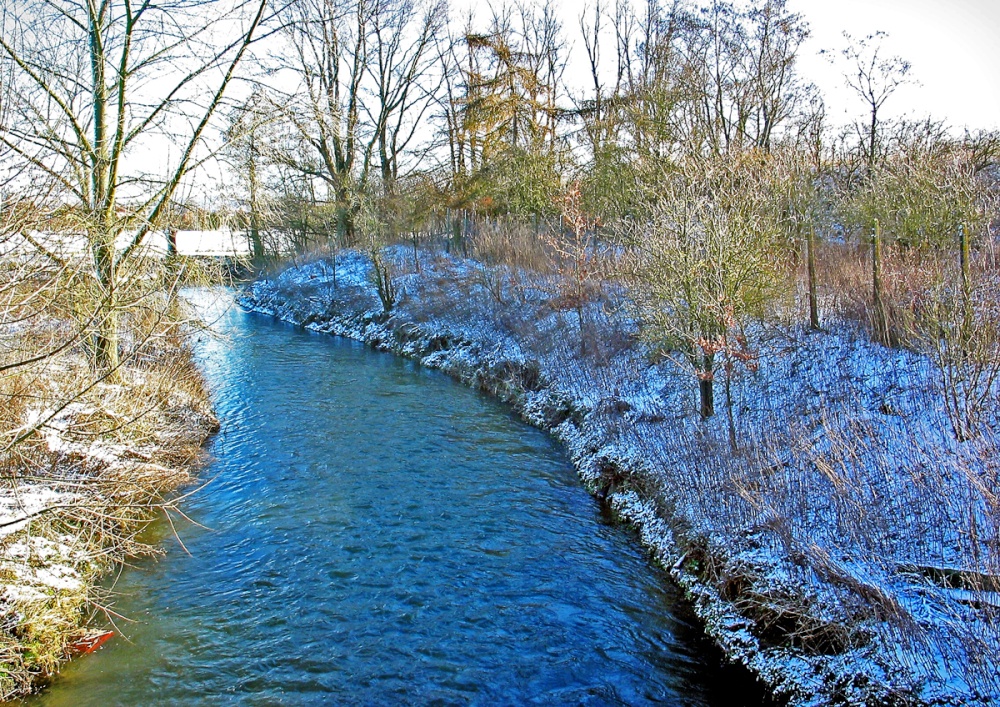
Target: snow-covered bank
<point x="815" y="554"/>
<point x="88" y="464"/>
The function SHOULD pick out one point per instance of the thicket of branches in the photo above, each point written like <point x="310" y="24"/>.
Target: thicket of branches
<point x="686" y="133"/>
<point x="694" y="147"/>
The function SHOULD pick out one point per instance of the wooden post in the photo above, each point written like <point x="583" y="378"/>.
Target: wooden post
<point x="881" y="325"/>
<point x="465" y="233"/>
<point x="811" y="275"/>
<point x="448" y="231"/>
<point x="967" y="318"/>
<point x="963" y="243"/>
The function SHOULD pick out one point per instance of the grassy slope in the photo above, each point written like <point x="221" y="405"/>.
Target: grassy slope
<point x="101" y="461"/>
<point x="812" y="551"/>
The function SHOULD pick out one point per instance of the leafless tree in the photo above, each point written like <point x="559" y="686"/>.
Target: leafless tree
<point x="94" y="82"/>
<point x="874" y="78"/>
<point x="249" y="150"/>
<point x="363" y="70"/>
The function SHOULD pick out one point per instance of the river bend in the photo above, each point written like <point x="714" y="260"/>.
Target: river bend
<point x="379" y="534"/>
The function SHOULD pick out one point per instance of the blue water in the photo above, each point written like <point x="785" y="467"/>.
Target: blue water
<point x="378" y="534"/>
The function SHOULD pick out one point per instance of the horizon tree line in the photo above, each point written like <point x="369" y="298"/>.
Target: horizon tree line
<point x="693" y="144"/>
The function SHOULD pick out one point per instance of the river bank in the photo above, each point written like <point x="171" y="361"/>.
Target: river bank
<point x="90" y="461"/>
<point x="359" y="547"/>
<point x="774" y="543"/>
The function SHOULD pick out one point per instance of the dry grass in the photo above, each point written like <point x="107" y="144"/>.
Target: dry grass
<point x="516" y="243"/>
<point x="108" y="449"/>
<point x="884" y="509"/>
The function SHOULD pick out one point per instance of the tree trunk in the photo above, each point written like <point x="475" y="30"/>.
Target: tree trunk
<point x="707" y="397"/>
<point x="706" y="386"/>
<point x="256" y="243"/>
<point x="345" y="227"/>
<point x="872" y="136"/>
<point x="171" y="244"/>
<point x="102" y="236"/>
<point x="106" y="335"/>
<point x="449" y="228"/>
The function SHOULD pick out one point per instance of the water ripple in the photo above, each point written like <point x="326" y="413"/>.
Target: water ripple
<point x="381" y="535"/>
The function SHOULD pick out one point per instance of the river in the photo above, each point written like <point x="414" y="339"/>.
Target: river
<point x="376" y="533"/>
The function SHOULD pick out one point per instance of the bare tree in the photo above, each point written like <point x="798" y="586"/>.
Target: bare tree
<point x="774" y="40"/>
<point x="874" y="78"/>
<point x="403" y="39"/>
<point x="651" y="75"/>
<point x="593" y="108"/>
<point x="363" y="69"/>
<point x="327" y="38"/>
<point x="93" y="82"/>
<point x="456" y="135"/>
<point x="740" y="70"/>
<point x="249" y="150"/>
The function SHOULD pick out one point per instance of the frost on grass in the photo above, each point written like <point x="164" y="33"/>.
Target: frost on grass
<point x="846" y="550"/>
<point x="87" y="464"/>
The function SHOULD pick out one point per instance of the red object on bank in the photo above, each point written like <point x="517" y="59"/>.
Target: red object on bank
<point x="89" y="644"/>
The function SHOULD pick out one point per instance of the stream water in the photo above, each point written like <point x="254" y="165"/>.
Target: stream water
<point x="379" y="534"/>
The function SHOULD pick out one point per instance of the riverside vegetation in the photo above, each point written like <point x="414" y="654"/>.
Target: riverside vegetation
<point x="770" y="341"/>
<point x="103" y="412"/>
<point x="90" y="458"/>
<point x="831" y="529"/>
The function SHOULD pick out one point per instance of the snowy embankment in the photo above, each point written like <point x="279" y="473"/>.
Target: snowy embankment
<point x="840" y="551"/>
<point x="90" y="464"/>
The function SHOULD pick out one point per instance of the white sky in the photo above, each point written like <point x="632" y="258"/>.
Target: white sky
<point x="953" y="46"/>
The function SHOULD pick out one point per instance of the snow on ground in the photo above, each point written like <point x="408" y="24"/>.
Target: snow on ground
<point x="22" y="502"/>
<point x="88" y="457"/>
<point x="42" y="566"/>
<point x="846" y="550"/>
